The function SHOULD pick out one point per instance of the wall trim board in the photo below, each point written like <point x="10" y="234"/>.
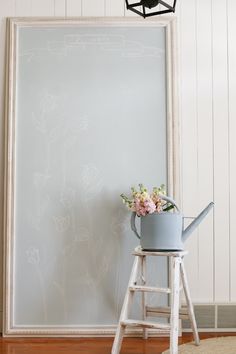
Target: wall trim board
<point x="81" y="332"/>
<point x="172" y="164"/>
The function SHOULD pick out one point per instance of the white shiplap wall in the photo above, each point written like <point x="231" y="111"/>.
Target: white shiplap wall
<point x="207" y="91"/>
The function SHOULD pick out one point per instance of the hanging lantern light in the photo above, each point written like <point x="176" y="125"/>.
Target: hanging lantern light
<point x="143" y="6"/>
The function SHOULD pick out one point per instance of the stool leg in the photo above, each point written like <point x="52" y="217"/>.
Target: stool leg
<point x="125" y="308"/>
<point x="174" y="319"/>
<point x="189" y="303"/>
<point x="143" y="275"/>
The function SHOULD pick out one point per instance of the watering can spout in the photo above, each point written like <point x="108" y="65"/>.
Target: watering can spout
<point x="187" y="232"/>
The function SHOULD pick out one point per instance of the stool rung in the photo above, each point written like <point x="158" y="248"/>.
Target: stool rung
<point x="149" y="289"/>
<point x="165" y="312"/>
<point x="147" y="324"/>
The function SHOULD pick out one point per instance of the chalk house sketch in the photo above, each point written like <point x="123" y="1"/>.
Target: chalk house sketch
<point x="90" y="119"/>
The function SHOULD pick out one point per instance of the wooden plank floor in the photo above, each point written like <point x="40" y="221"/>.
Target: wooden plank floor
<point x="91" y="346"/>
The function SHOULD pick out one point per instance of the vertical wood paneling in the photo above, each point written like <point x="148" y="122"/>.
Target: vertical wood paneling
<point x="189" y="138"/>
<point x="131" y="13"/>
<point x="179" y="86"/>
<point x="60" y="8"/>
<point x="232" y="140"/>
<point x="221" y="150"/>
<point x="93" y="7"/>
<point x="114" y="8"/>
<point x="23" y="7"/>
<point x="205" y="148"/>
<point x="73" y="7"/>
<point x="43" y="8"/>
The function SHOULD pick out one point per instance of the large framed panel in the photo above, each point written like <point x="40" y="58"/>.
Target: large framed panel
<point x="91" y="110"/>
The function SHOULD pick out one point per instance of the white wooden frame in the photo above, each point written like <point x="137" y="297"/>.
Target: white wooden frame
<point x="173" y="156"/>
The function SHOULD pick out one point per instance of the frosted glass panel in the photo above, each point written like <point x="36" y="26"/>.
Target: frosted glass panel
<point x="90" y="123"/>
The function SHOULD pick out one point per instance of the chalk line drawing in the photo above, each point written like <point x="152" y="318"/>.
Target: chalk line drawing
<point x="33" y="258"/>
<point x="33" y="54"/>
<point x="62" y="293"/>
<point x="82" y="234"/>
<point x="58" y="48"/>
<point x="112" y="43"/>
<point x="91" y="180"/>
<point x="47" y="104"/>
<point x="83" y="123"/>
<point x="35" y="215"/>
<point x="67" y="197"/>
<point x="56" y="133"/>
<point x="40" y="180"/>
<point x="62" y="223"/>
<point x="103" y="42"/>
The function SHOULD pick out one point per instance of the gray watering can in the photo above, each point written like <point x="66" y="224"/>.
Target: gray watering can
<point x="165" y="231"/>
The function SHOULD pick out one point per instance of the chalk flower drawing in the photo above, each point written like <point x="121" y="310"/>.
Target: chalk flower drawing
<point x="62" y="223"/>
<point x="48" y="104"/>
<point x="35" y="215"/>
<point x="40" y="180"/>
<point x="91" y="180"/>
<point x="120" y="222"/>
<point x="33" y="256"/>
<point x="82" y="234"/>
<point x="83" y="123"/>
<point x="67" y="197"/>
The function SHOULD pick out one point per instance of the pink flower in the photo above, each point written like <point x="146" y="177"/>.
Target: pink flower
<point x="144" y="207"/>
<point x="149" y="206"/>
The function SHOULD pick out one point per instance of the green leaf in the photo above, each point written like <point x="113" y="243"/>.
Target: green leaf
<point x="170" y="207"/>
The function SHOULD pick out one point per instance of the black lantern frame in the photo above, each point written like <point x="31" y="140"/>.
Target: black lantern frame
<point x="133" y="7"/>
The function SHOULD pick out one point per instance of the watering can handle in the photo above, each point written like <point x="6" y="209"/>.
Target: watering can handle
<point x="133" y="215"/>
<point x="133" y="226"/>
<point x="170" y="200"/>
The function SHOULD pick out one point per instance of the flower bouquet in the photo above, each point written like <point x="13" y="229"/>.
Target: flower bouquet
<point x="143" y="203"/>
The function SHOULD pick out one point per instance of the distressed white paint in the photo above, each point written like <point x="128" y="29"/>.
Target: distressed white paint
<point x="178" y="273"/>
<point x="221" y="150"/>
<point x="42" y="7"/>
<point x="23" y="8"/>
<point x="114" y="8"/>
<point x="73" y="8"/>
<point x="189" y="303"/>
<point x="205" y="150"/>
<point x="174" y="315"/>
<point x="93" y="8"/>
<point x="232" y="141"/>
<point x="144" y="298"/>
<point x="60" y="7"/>
<point x="188" y="87"/>
<point x="126" y="308"/>
<point x="7" y="8"/>
<point x="207" y="71"/>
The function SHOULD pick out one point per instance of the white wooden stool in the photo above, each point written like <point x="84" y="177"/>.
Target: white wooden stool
<point x="173" y="312"/>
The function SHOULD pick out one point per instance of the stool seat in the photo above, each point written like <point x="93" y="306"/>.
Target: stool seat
<point x="138" y="251"/>
<point x="173" y="312"/>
